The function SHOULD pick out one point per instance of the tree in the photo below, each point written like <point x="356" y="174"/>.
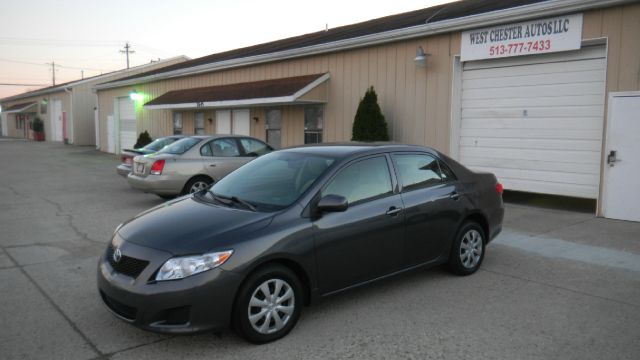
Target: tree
<point x="143" y="140"/>
<point x="369" y="123"/>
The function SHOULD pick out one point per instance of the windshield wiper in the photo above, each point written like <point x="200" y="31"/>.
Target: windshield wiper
<point x="224" y="199"/>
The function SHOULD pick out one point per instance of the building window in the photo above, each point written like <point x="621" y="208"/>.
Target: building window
<point x="177" y="123"/>
<point x="19" y="122"/>
<point x="313" y="119"/>
<point x="43" y="106"/>
<point x="274" y="126"/>
<point x="198" y="124"/>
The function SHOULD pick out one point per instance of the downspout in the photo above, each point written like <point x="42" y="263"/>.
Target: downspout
<point x="69" y="118"/>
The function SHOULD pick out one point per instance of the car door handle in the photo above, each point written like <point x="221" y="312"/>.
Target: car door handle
<point x="212" y="165"/>
<point x="454" y="195"/>
<point x="393" y="211"/>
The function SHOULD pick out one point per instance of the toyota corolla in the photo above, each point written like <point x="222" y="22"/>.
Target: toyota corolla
<point x="294" y="226"/>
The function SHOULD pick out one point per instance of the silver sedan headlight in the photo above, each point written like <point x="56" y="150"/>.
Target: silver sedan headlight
<point x="181" y="267"/>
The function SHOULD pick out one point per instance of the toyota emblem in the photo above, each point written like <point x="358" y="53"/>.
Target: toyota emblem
<point x="117" y="255"/>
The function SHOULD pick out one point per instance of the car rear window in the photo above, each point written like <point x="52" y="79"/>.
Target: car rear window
<point x="180" y="147"/>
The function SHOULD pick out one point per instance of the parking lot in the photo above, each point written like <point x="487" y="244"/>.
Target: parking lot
<point x="555" y="284"/>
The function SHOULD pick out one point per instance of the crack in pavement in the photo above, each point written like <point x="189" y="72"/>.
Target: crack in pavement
<point x="73" y="325"/>
<point x="60" y="213"/>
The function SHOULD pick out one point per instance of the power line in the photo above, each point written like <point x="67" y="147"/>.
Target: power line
<point x="9" y="84"/>
<point x="49" y="64"/>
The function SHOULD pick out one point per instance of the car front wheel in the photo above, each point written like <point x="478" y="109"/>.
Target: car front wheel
<point x="467" y="250"/>
<point x="268" y="305"/>
<point x="197" y="184"/>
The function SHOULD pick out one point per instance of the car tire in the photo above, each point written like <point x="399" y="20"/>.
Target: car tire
<point x="468" y="249"/>
<point x="196" y="184"/>
<point x="272" y="291"/>
<point x="166" y="197"/>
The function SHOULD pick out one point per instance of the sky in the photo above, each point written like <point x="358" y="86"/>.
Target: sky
<point x="83" y="37"/>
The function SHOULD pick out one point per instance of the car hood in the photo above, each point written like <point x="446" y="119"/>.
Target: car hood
<point x="187" y="226"/>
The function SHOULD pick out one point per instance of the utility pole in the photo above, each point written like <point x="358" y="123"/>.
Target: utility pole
<point x="53" y="71"/>
<point x="81" y="74"/>
<point x="127" y="50"/>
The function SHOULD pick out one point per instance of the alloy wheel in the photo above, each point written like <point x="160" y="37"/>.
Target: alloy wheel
<point x="198" y="186"/>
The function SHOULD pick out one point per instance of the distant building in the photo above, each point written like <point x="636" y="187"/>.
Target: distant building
<point x="68" y="110"/>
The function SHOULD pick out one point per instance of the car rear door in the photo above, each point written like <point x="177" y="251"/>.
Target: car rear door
<point x="433" y="204"/>
<point x="366" y="240"/>
<point x="221" y="156"/>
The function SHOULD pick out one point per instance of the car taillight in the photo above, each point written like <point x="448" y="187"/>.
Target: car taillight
<point x="499" y="188"/>
<point x="156" y="168"/>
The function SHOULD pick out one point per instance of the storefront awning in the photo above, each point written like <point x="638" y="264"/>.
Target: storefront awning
<point x="18" y="108"/>
<point x="308" y="89"/>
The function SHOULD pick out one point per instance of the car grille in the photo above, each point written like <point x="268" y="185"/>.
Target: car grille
<point x="127" y="265"/>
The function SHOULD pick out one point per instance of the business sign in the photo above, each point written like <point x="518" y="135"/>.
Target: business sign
<point x="526" y="38"/>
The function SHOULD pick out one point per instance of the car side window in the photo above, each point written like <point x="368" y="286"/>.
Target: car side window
<point x="254" y="147"/>
<point x="447" y="174"/>
<point x="364" y="180"/>
<point x="205" y="150"/>
<point x="417" y="170"/>
<point x="224" y="148"/>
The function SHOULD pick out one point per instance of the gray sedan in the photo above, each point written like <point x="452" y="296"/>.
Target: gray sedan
<point x="193" y="163"/>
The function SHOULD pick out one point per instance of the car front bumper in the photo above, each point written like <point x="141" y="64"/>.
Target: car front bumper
<point x="201" y="302"/>
<point x="157" y="184"/>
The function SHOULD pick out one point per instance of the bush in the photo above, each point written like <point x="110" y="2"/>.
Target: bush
<point x="143" y="140"/>
<point x="369" y="123"/>
<point x="38" y="125"/>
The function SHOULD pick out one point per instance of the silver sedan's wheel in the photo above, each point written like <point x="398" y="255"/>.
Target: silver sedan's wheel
<point x="471" y="249"/>
<point x="198" y="186"/>
<point x="271" y="306"/>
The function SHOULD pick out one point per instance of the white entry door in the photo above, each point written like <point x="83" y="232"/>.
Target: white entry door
<point x="127" y="126"/>
<point x="622" y="158"/>
<point x="56" y="120"/>
<point x="111" y="135"/>
<point x="242" y="122"/>
<point x="223" y="122"/>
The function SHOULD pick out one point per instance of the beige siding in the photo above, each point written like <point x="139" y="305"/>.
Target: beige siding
<point x="46" y="117"/>
<point x="415" y="101"/>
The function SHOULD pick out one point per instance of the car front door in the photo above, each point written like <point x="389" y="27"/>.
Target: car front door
<point x="433" y="205"/>
<point x="221" y="156"/>
<point x="366" y="240"/>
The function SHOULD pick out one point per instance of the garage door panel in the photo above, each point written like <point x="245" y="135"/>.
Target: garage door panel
<point x="535" y="79"/>
<point x="542" y="101"/>
<point x="533" y="133"/>
<point x="496" y="122"/>
<point x="541" y="175"/>
<point x="547" y="68"/>
<point x="586" y="53"/>
<point x="494" y="163"/>
<point x="534" y="114"/>
<point x="591" y="88"/>
<point x="557" y="144"/>
<point x="540" y="187"/>
<point x="127" y="124"/>
<point x="559" y="156"/>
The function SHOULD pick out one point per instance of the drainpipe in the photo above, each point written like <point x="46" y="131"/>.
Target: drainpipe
<point x="69" y="117"/>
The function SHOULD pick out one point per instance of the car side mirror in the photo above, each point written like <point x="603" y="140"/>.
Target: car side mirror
<point x="332" y="203"/>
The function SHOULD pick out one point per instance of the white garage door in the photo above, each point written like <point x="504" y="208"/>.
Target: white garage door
<point x="127" y="123"/>
<point x="242" y="122"/>
<point x="536" y="121"/>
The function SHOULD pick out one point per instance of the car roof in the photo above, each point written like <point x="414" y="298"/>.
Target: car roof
<point x="217" y="136"/>
<point x="347" y="149"/>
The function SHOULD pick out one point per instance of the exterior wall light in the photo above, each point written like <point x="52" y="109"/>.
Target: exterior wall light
<point x="135" y="96"/>
<point x="45" y="101"/>
<point x="421" y="57"/>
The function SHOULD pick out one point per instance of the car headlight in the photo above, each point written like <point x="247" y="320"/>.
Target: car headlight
<point x="181" y="267"/>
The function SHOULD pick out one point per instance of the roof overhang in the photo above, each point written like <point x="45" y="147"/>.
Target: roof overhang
<point x="313" y="92"/>
<point x="520" y="13"/>
<point x="18" y="108"/>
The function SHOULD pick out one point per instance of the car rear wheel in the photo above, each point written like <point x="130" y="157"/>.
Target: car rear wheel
<point x="268" y="305"/>
<point x="467" y="250"/>
<point x="197" y="184"/>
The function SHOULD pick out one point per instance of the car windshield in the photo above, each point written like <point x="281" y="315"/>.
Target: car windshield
<point x="273" y="181"/>
<point x="158" y="144"/>
<point x="180" y="147"/>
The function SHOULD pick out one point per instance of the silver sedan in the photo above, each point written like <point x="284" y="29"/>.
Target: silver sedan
<point x="193" y="163"/>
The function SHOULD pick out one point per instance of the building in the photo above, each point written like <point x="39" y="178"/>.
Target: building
<point x="523" y="88"/>
<point x="67" y="110"/>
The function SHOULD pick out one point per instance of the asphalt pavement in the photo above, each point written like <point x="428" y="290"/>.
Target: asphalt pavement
<point x="555" y="285"/>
